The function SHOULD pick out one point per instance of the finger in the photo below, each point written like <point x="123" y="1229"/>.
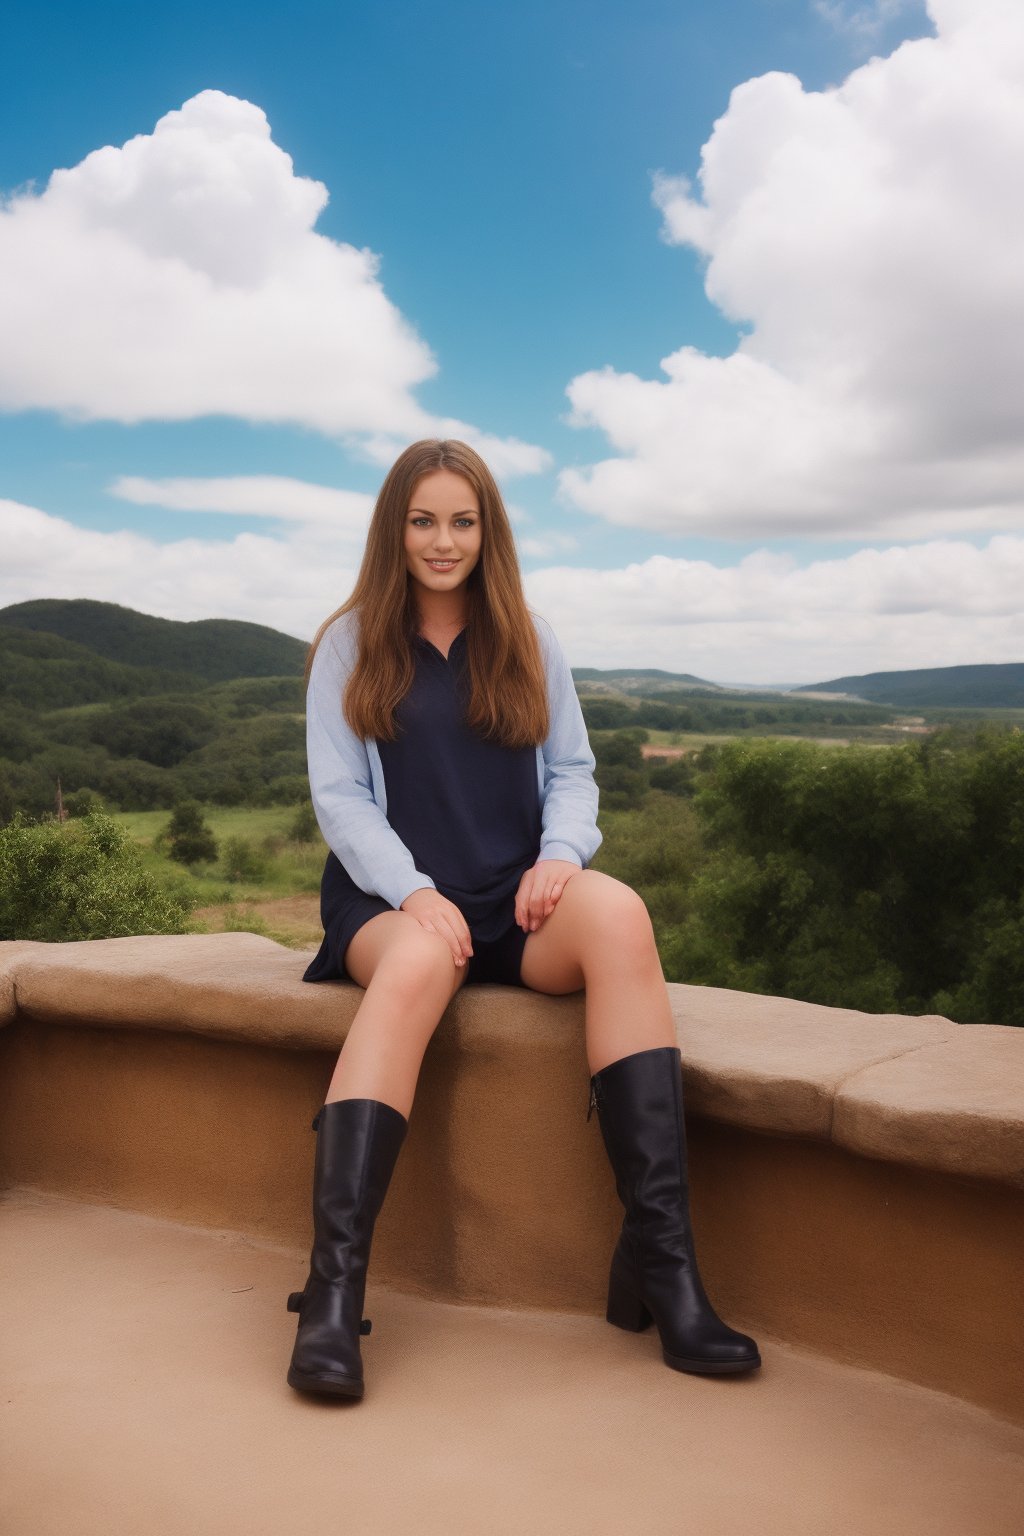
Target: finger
<point x="538" y="903"/>
<point x="523" y="899"/>
<point x="459" y="930"/>
<point x="437" y="926"/>
<point x="459" y="927"/>
<point x="559" y="884"/>
<point x="532" y="906"/>
<point x="465" y="938"/>
<point x="451" y="938"/>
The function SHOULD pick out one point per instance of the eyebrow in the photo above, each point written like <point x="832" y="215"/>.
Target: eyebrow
<point x="425" y="512"/>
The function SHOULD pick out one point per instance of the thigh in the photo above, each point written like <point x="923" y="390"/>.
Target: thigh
<point x="392" y="935"/>
<point x="552" y="957"/>
<point x="594" y="915"/>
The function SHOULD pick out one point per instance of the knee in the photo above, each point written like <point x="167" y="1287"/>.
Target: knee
<point x="619" y="924"/>
<point x="420" y="964"/>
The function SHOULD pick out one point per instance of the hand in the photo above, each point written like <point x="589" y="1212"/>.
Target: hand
<point x="437" y="914"/>
<point x="539" y="890"/>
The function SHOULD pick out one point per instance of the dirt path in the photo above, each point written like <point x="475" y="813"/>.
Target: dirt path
<point x="291" y="920"/>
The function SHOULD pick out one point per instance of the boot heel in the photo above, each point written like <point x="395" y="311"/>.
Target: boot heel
<point x="626" y="1310"/>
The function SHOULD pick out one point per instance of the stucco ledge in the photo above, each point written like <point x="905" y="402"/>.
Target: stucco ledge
<point x="925" y="1092"/>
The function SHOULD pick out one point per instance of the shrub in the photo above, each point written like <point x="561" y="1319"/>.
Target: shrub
<point x="242" y="860"/>
<point x="190" y="840"/>
<point x="80" y="879"/>
<point x="675" y="776"/>
<point x="81" y="802"/>
<point x="304" y="827"/>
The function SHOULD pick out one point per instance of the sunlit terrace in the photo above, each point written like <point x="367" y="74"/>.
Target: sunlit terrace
<point x="858" y="1192"/>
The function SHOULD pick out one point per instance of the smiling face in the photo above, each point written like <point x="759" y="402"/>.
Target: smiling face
<point x="443" y="533"/>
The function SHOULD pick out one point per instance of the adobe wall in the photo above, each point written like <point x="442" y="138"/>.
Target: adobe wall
<point x="858" y="1180"/>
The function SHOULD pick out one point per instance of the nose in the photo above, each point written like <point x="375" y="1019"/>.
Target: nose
<point x="442" y="538"/>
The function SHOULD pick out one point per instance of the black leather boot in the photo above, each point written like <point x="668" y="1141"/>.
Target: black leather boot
<point x="639" y="1101"/>
<point x="358" y="1142"/>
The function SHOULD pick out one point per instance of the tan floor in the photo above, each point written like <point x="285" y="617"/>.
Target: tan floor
<point x="143" y="1391"/>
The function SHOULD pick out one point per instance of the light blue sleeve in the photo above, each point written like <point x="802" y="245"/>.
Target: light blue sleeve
<point x="566" y="765"/>
<point x="341" y="780"/>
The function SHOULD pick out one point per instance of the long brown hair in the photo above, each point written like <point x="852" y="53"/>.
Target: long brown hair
<point x="507" y="691"/>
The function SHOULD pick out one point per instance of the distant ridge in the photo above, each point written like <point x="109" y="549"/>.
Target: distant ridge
<point x="215" y="650"/>
<point x="996" y="686"/>
<point x="64" y="649"/>
<point x="647" y="675"/>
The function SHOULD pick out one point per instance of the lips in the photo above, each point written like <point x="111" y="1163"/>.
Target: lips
<point x="442" y="565"/>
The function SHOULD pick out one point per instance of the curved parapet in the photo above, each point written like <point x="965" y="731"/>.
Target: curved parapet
<point x="858" y="1179"/>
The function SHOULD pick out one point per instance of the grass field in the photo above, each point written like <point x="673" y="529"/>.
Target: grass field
<point x="280" y="895"/>
<point x="281" y="901"/>
<point x="226" y="821"/>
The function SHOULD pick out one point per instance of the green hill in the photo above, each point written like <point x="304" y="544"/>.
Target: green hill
<point x="638" y="680"/>
<point x="144" y="711"/>
<point x="42" y="671"/>
<point x="997" y="686"/>
<point x="214" y="650"/>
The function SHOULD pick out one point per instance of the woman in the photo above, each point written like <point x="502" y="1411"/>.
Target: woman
<point x="453" y="781"/>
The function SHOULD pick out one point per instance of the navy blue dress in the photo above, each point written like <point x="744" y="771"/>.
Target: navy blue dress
<point x="467" y="809"/>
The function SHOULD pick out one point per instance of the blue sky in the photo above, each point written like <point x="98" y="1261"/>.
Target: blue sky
<point x="801" y="493"/>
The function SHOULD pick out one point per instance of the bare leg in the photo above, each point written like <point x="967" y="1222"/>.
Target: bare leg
<point x="410" y="978"/>
<point x="600" y="936"/>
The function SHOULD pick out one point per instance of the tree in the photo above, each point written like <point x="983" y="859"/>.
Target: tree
<point x="190" y="839"/>
<point x="158" y="731"/>
<point x="81" y="802"/>
<point x="620" y="773"/>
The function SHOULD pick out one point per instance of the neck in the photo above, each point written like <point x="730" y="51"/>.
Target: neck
<point x="442" y="610"/>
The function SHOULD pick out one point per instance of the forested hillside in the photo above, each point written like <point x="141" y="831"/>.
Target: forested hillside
<point x="730" y="713"/>
<point x="139" y="712"/>
<point x="999" y="686"/>
<point x="885" y="875"/>
<point x="210" y="649"/>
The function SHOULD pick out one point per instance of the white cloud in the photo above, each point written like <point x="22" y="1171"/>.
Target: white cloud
<point x="871" y="240"/>
<point x="764" y="620"/>
<point x="769" y="620"/>
<point x="543" y="546"/>
<point x="505" y="456"/>
<point x="863" y="21"/>
<point x="346" y="513"/>
<point x="181" y="275"/>
<point x="289" y="585"/>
